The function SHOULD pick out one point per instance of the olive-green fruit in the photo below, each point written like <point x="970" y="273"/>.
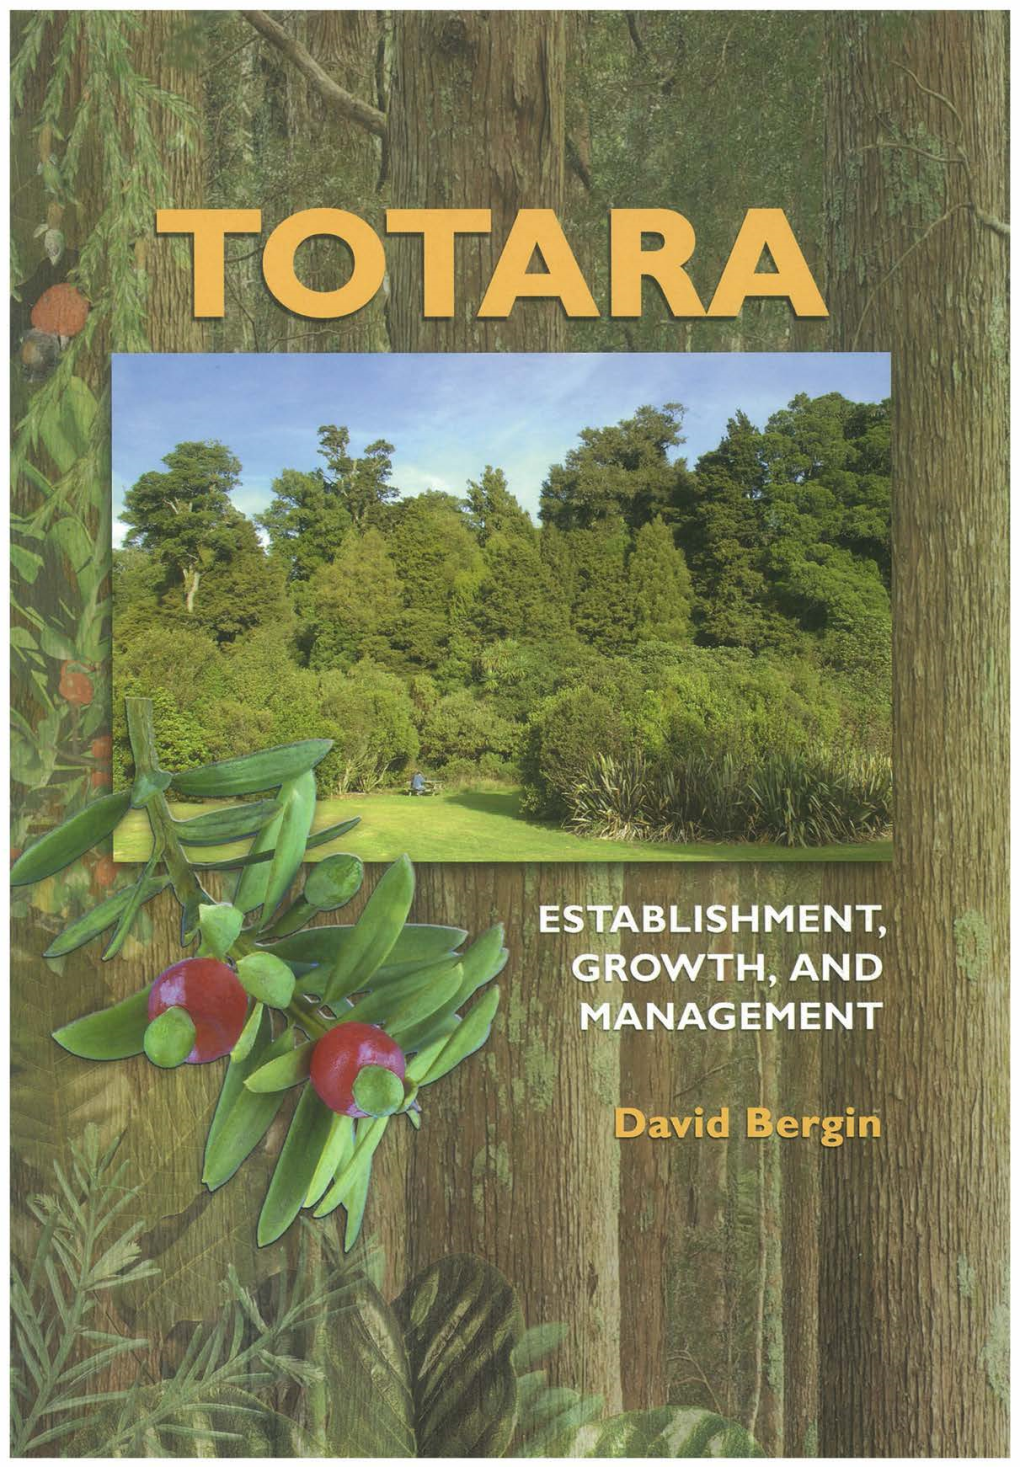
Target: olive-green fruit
<point x="220" y="926"/>
<point x="378" y="1091"/>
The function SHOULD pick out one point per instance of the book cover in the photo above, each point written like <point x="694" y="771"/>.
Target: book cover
<point x="509" y="747"/>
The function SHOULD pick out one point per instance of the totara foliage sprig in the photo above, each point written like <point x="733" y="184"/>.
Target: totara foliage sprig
<point x="411" y="980"/>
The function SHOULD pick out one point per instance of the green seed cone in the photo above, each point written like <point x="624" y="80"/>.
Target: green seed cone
<point x="170" y="1038"/>
<point x="378" y="1091"/>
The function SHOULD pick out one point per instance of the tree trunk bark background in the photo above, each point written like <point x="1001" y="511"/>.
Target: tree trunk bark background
<point x="916" y="1230"/>
<point x="171" y="324"/>
<point x="851" y="1302"/>
<point x="476" y="120"/>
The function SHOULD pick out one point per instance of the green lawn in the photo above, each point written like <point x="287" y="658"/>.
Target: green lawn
<point x="485" y="825"/>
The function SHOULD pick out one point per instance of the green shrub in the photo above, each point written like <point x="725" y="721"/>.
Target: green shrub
<point x="369" y="714"/>
<point x="567" y="732"/>
<point x="463" y="728"/>
<point x="181" y="738"/>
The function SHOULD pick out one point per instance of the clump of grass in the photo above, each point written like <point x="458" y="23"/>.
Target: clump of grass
<point x="821" y="797"/>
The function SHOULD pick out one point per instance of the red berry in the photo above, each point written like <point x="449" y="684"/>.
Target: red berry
<point x="102" y="748"/>
<point x="101" y="778"/>
<point x="75" y="686"/>
<point x="341" y="1055"/>
<point x="212" y="995"/>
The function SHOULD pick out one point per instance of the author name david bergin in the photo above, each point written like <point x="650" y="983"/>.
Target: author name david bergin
<point x="758" y="1123"/>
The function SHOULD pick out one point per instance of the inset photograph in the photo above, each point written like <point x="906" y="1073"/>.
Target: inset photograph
<point x="546" y="607"/>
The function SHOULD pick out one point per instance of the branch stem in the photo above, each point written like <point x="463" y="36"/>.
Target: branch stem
<point x="343" y="102"/>
<point x="187" y="888"/>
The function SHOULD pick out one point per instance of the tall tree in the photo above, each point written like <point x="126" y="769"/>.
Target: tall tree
<point x="915" y="1337"/>
<point x="362" y="485"/>
<point x="623" y="470"/>
<point x="437" y="556"/>
<point x="601" y="608"/>
<point x="353" y="602"/>
<point x="306" y="521"/>
<point x="660" y="586"/>
<point x="242" y="588"/>
<point x="184" y="515"/>
<point x="516" y="597"/>
<point x="493" y="508"/>
<point x="721" y="533"/>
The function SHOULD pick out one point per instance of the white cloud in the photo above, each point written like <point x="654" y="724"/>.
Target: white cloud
<point x="412" y="479"/>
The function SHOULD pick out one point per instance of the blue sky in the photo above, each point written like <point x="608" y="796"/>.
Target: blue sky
<point x="447" y="415"/>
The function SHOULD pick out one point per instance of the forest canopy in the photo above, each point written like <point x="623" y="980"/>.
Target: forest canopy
<point x="736" y="607"/>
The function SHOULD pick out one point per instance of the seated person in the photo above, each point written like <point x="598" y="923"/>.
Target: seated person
<point x="418" y="783"/>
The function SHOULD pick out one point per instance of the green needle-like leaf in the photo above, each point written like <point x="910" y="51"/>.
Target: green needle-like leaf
<point x="108" y="1034"/>
<point x="369" y="1134"/>
<point x="253" y="772"/>
<point x="331" y="833"/>
<point x="248" y="1035"/>
<point x="297" y="801"/>
<point x="282" y="1072"/>
<point x="333" y="882"/>
<point x="126" y="920"/>
<point x="306" y="1139"/>
<point x="95" y="922"/>
<point x="470" y="1034"/>
<point x="354" y="1205"/>
<point x="58" y="848"/>
<point x="375" y="933"/>
<point x="219" y="827"/>
<point x="379" y="1005"/>
<point x="242" y="1118"/>
<point x="417" y="943"/>
<point x="338" y="1147"/>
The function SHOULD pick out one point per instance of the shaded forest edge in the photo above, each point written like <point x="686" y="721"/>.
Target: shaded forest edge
<point x="674" y="653"/>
